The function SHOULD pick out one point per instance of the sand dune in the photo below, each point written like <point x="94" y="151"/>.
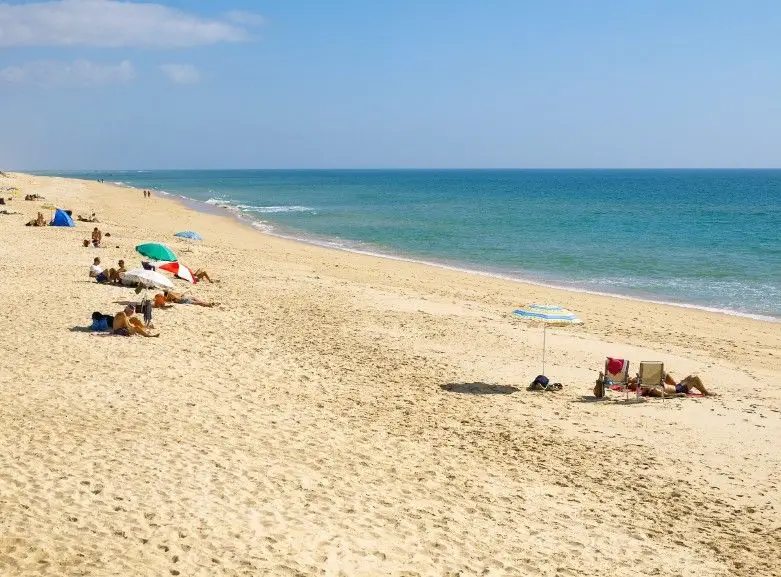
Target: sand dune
<point x="341" y="414"/>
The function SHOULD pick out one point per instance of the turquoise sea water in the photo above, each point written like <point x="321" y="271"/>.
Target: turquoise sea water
<point x="706" y="238"/>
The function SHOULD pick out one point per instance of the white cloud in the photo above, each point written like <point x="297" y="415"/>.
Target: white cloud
<point x="181" y="73"/>
<point x="51" y="74"/>
<point x="114" y="23"/>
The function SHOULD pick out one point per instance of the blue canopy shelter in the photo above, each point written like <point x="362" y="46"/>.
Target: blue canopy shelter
<point x="61" y="218"/>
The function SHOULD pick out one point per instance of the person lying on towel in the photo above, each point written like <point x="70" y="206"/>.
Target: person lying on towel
<point x="671" y="387"/>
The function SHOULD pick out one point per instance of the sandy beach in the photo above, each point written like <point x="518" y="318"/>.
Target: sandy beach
<point x="345" y="414"/>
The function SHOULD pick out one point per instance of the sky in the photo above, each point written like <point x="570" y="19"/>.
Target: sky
<point x="105" y="84"/>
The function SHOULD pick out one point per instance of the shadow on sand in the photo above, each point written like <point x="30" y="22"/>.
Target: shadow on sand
<point x="610" y="400"/>
<point x="479" y="388"/>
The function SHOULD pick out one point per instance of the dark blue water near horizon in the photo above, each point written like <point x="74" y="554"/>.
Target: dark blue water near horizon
<point x="705" y="238"/>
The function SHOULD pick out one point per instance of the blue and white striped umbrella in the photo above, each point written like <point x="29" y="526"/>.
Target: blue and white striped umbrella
<point x="548" y="315"/>
<point x="551" y="314"/>
<point x="189" y="234"/>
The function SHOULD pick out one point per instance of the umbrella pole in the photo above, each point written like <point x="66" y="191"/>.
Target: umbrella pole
<point x="544" y="330"/>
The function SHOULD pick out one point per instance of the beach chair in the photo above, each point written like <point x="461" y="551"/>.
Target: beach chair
<point x="651" y="375"/>
<point x="617" y="373"/>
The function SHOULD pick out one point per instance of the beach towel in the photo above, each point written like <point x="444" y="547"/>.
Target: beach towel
<point x="689" y="394"/>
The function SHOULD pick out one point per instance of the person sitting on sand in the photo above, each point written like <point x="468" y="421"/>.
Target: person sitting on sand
<point x="201" y="274"/>
<point x="97" y="272"/>
<point x="127" y="324"/>
<point x="97" y="236"/>
<point x="38" y="221"/>
<point x="179" y="298"/>
<point x="115" y="275"/>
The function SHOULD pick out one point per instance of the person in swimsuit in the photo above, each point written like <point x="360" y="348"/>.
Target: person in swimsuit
<point x="201" y="274"/>
<point x="671" y="388"/>
<point x="39" y="221"/>
<point x="97" y="236"/>
<point x="178" y="298"/>
<point x="127" y="324"/>
<point x="115" y="274"/>
<point x="685" y="386"/>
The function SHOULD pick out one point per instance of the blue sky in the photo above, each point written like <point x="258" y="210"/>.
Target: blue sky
<point x="99" y="84"/>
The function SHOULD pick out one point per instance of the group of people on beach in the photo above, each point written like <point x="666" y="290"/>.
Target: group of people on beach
<point x="147" y="194"/>
<point x="125" y="322"/>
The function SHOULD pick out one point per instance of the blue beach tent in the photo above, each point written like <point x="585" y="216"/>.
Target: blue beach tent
<point x="61" y="218"/>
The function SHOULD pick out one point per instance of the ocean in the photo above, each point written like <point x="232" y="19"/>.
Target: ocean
<point x="703" y="238"/>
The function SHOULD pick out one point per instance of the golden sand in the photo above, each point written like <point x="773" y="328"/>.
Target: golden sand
<point x="305" y="426"/>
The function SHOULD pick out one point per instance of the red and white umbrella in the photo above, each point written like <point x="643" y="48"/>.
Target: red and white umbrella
<point x="179" y="270"/>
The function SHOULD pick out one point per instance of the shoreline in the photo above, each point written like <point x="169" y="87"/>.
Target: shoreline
<point x="354" y="414"/>
<point x="226" y="210"/>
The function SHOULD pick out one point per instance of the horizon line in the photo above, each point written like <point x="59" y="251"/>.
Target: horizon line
<point x="400" y="168"/>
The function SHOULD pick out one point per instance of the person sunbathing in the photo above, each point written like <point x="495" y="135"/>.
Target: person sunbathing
<point x="92" y="218"/>
<point x="127" y="324"/>
<point x="686" y="385"/>
<point x="670" y="388"/>
<point x="178" y="298"/>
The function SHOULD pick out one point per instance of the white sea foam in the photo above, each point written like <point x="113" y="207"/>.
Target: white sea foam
<point x="274" y="209"/>
<point x="261" y="226"/>
<point x="592" y="286"/>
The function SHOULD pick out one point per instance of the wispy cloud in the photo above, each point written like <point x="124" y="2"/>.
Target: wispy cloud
<point x="181" y="73"/>
<point x="113" y="23"/>
<point x="50" y="74"/>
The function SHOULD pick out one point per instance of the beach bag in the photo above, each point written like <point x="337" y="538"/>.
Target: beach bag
<point x="542" y="383"/>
